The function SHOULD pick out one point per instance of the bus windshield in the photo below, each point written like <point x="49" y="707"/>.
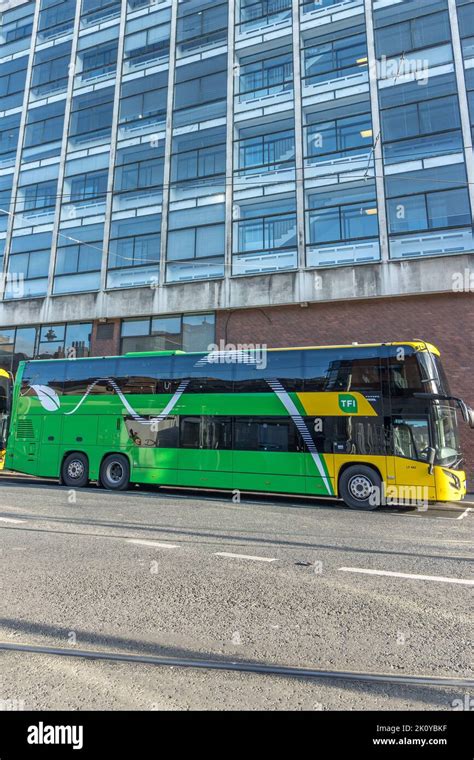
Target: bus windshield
<point x="446" y="434"/>
<point x="433" y="376"/>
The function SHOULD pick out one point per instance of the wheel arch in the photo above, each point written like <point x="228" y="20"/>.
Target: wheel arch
<point x="347" y="465"/>
<point x="111" y="453"/>
<point x="73" y="450"/>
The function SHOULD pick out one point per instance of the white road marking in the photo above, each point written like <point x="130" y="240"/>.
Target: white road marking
<point x="464" y="514"/>
<point x="438" y="578"/>
<point x="245" y="556"/>
<point x="10" y="520"/>
<point x="155" y="544"/>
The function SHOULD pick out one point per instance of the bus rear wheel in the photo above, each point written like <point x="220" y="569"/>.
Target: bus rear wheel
<point x="115" y="472"/>
<point x="360" y="487"/>
<point x="75" y="470"/>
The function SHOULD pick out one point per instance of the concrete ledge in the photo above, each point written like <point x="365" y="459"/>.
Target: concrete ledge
<point x="379" y="280"/>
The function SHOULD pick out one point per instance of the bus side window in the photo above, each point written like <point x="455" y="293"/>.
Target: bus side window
<point x="168" y="433"/>
<point x="216" y="432"/>
<point x="266" y="434"/>
<point x="365" y="375"/>
<point x="81" y="374"/>
<point x="190" y="432"/>
<point x="405" y="377"/>
<point x="50" y="373"/>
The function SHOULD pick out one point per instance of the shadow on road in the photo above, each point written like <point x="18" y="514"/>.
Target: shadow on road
<point x="438" y="697"/>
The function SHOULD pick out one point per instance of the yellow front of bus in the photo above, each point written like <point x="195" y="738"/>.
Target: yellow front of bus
<point x="451" y="485"/>
<point x="445" y="458"/>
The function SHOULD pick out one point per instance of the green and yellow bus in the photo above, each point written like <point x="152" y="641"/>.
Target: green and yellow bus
<point x="343" y="422"/>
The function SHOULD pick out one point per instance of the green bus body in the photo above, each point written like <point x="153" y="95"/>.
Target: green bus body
<point x="184" y="420"/>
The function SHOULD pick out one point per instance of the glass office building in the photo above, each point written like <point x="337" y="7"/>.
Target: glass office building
<point x="165" y="161"/>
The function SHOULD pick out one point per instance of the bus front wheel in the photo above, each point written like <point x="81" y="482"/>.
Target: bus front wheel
<point x="115" y="472"/>
<point x="75" y="470"/>
<point x="360" y="487"/>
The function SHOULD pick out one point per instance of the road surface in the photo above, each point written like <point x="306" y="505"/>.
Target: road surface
<point x="192" y="574"/>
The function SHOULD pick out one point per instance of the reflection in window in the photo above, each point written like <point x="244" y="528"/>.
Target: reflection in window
<point x="56" y="18"/>
<point x="201" y="24"/>
<point x="324" y="61"/>
<point x="143" y="103"/>
<point x="147" y="40"/>
<point x="78" y="258"/>
<point x="91" y="116"/>
<point x="265" y="236"/>
<point x="200" y="90"/>
<point x="259" y="77"/>
<point x="196" y="243"/>
<point x="50" y="70"/>
<point x="134" y="251"/>
<point x="28" y="266"/>
<point x="189" y="332"/>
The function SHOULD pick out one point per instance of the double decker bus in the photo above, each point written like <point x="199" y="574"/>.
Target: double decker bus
<point x="342" y="422"/>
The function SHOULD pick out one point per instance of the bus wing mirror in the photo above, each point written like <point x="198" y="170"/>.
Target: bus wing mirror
<point x="431" y="459"/>
<point x="470" y="417"/>
<point x="467" y="413"/>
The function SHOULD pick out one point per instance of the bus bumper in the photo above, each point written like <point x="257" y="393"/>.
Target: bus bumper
<point x="450" y="484"/>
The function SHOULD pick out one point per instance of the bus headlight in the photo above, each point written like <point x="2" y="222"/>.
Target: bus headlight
<point x="454" y="480"/>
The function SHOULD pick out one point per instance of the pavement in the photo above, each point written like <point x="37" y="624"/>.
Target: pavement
<point x="189" y="574"/>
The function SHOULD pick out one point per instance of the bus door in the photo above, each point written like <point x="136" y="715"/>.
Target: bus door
<point x="411" y="445"/>
<point x="48" y="448"/>
<point x="408" y="431"/>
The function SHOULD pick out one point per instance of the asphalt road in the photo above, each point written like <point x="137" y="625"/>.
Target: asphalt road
<point x="152" y="572"/>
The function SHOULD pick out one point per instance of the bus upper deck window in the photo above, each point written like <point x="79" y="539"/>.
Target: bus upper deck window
<point x="405" y="377"/>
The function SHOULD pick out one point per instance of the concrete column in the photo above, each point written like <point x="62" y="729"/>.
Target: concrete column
<point x="113" y="147"/>
<point x="19" y="150"/>
<point x="63" y="155"/>
<point x="229" y="170"/>
<point x="377" y="136"/>
<point x="169" y="135"/>
<point x="299" y="171"/>
<point x="463" y="101"/>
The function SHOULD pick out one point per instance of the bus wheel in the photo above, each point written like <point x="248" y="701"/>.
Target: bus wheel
<point x="115" y="472"/>
<point x="75" y="471"/>
<point x="360" y="487"/>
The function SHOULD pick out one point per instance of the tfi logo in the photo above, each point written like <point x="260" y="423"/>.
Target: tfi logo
<point x="348" y="403"/>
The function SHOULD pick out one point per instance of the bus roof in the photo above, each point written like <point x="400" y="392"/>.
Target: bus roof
<point x="416" y="345"/>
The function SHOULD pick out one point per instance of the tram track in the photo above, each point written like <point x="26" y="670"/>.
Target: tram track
<point x="240" y="666"/>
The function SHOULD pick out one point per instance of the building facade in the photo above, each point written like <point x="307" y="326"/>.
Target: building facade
<point x="289" y="172"/>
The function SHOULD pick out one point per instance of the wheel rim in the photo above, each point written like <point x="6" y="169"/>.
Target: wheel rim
<point x="360" y="487"/>
<point x="75" y="469"/>
<point x="114" y="472"/>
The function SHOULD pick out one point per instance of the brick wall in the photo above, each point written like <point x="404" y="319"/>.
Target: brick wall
<point x="109" y="344"/>
<point x="447" y="320"/>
